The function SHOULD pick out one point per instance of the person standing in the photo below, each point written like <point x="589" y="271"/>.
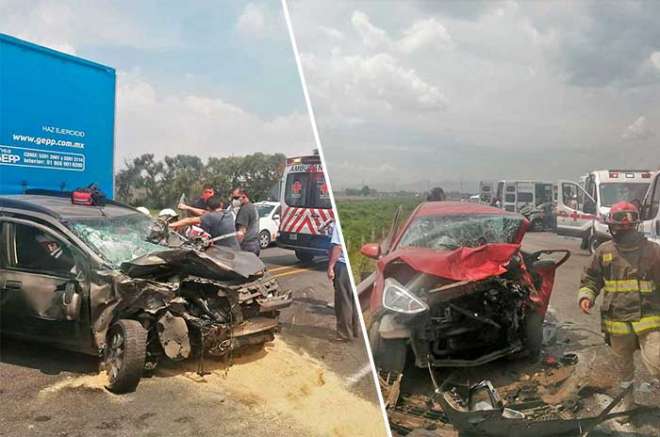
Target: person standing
<point x="216" y="222"/>
<point x="627" y="270"/>
<point x="247" y="222"/>
<point x="199" y="206"/>
<point x="345" y="308"/>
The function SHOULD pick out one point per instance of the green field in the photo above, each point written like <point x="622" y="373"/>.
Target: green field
<point x="368" y="220"/>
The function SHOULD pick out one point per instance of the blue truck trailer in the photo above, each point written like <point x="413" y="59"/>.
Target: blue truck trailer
<point x="57" y="116"/>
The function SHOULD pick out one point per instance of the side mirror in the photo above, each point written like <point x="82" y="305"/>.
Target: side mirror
<point x="71" y="301"/>
<point x="371" y="250"/>
<point x="276" y="217"/>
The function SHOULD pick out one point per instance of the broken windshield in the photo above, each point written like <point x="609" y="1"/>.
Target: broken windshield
<point x="454" y="231"/>
<point x="116" y="239"/>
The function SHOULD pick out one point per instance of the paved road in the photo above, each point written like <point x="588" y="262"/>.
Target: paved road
<point x="593" y="376"/>
<point x="301" y="384"/>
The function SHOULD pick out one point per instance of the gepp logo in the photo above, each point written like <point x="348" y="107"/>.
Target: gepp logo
<point x="8" y="158"/>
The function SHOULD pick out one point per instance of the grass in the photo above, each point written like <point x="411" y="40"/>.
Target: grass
<point x="366" y="221"/>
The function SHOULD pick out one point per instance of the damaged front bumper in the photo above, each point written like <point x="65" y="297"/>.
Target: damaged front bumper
<point x="495" y="420"/>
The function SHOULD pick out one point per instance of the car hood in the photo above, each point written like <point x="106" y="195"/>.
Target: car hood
<point x="216" y="262"/>
<point x="462" y="264"/>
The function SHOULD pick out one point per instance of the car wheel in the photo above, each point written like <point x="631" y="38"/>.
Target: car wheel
<point x="534" y="334"/>
<point x="264" y="239"/>
<point x="303" y="256"/>
<point x="125" y="355"/>
<point x="594" y="242"/>
<point x="389" y="355"/>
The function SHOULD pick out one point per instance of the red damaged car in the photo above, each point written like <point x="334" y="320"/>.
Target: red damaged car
<point x="454" y="287"/>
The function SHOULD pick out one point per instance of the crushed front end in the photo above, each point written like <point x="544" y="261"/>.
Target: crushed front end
<point x="196" y="304"/>
<point x="486" y="320"/>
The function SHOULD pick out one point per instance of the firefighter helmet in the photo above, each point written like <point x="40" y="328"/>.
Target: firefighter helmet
<point x="625" y="215"/>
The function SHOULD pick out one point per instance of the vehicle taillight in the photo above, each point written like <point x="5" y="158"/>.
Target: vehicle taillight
<point x="646" y="175"/>
<point x="614" y="174"/>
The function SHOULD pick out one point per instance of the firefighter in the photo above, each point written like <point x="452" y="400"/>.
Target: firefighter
<point x="627" y="269"/>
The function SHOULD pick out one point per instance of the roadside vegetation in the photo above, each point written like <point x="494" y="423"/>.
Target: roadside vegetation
<point x="366" y="221"/>
<point x="157" y="184"/>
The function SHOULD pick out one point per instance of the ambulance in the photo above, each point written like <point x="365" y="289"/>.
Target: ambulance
<point x="651" y="211"/>
<point x="582" y="207"/>
<point x="307" y="217"/>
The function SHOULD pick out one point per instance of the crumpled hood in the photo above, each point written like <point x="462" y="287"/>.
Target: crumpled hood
<point x="216" y="262"/>
<point x="462" y="264"/>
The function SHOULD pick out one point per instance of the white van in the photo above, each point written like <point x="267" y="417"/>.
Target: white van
<point x="651" y="211"/>
<point x="583" y="206"/>
<point x="515" y="195"/>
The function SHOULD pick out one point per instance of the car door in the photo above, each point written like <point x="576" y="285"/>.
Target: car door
<point x="41" y="273"/>
<point x="275" y="217"/>
<point x="651" y="211"/>
<point x="572" y="219"/>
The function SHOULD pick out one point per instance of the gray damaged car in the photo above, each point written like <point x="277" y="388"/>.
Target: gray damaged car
<point x="100" y="281"/>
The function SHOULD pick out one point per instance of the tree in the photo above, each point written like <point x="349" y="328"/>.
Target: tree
<point x="159" y="184"/>
<point x="182" y="174"/>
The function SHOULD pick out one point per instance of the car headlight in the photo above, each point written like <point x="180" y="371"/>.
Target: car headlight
<point x="397" y="298"/>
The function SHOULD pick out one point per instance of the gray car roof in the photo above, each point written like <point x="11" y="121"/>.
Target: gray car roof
<point x="62" y="208"/>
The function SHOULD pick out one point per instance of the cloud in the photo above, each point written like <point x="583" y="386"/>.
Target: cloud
<point x="370" y="79"/>
<point x="252" y="20"/>
<point x="360" y="85"/>
<point x="263" y="20"/>
<point x="332" y="32"/>
<point x="149" y="121"/>
<point x="427" y="33"/>
<point x="638" y="130"/>
<point x="478" y="90"/>
<point x="422" y="34"/>
<point x="655" y="60"/>
<point x="68" y="26"/>
<point x="599" y="44"/>
<point x="371" y="35"/>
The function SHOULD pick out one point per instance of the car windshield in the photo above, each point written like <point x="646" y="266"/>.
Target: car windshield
<point x="613" y="192"/>
<point x="116" y="239"/>
<point x="264" y="210"/>
<point x="454" y="231"/>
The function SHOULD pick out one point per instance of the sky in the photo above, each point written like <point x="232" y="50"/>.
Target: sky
<point x="410" y="95"/>
<point x="205" y="78"/>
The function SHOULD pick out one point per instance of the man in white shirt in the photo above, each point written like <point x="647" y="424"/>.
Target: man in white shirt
<point x="348" y="326"/>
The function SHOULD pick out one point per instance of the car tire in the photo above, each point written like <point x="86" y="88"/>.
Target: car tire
<point x="389" y="355"/>
<point x="125" y="355"/>
<point x="534" y="334"/>
<point x="264" y="239"/>
<point x="305" y="257"/>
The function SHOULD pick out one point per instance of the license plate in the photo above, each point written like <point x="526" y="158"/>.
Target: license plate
<point x="293" y="236"/>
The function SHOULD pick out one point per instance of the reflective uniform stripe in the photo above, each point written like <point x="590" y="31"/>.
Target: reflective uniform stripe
<point x="622" y="328"/>
<point x="629" y="286"/>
